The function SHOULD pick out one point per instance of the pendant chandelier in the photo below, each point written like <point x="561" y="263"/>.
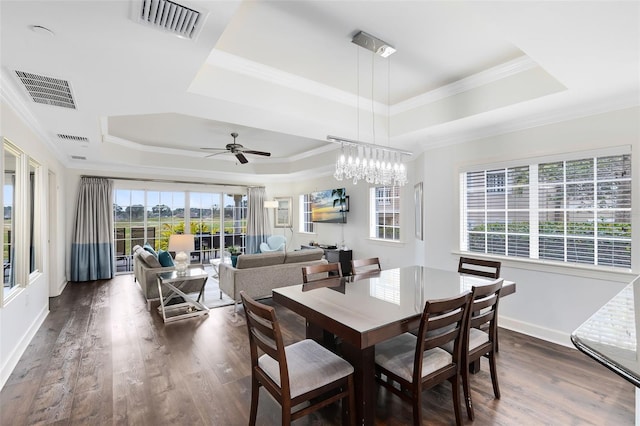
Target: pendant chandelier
<point x="376" y="164"/>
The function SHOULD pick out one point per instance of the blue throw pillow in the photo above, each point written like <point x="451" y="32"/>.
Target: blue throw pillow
<point x="165" y="258"/>
<point x="150" y="249"/>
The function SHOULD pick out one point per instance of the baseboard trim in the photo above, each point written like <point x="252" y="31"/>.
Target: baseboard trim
<point x="547" y="334"/>
<point x="17" y="353"/>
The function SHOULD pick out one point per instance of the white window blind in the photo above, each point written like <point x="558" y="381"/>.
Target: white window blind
<point x="306" y="225"/>
<point x="385" y="213"/>
<point x="575" y="211"/>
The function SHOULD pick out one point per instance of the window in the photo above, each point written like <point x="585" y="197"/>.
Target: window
<point x="21" y="236"/>
<point x="306" y="225"/>
<point x="385" y="213"/>
<point x="574" y="210"/>
<point x="152" y="216"/>
<point x="11" y="164"/>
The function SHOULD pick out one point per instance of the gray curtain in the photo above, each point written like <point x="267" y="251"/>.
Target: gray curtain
<point x="92" y="243"/>
<point x="258" y="228"/>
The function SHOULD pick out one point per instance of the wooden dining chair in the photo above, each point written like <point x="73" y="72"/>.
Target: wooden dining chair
<point x="362" y="266"/>
<point x="303" y="372"/>
<point x="417" y="362"/>
<point x="319" y="272"/>
<point x="479" y="267"/>
<point x="482" y="335"/>
<point x="482" y="268"/>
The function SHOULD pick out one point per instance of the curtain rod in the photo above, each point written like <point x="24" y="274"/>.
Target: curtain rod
<point x="170" y="181"/>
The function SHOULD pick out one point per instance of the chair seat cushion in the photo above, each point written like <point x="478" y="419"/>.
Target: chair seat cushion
<point x="476" y="338"/>
<point x="310" y="366"/>
<point x="396" y="355"/>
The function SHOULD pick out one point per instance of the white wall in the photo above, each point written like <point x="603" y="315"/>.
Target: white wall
<point x="356" y="231"/>
<point x="550" y="302"/>
<point x="22" y="315"/>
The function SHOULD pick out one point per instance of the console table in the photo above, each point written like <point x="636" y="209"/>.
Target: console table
<point x="336" y="256"/>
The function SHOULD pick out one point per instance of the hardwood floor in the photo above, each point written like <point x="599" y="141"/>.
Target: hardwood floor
<point x="102" y="358"/>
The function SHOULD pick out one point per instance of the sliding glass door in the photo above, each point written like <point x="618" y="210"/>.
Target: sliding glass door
<point x="216" y="219"/>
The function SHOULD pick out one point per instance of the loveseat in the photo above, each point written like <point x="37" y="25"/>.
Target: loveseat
<point x="146" y="267"/>
<point x="258" y="274"/>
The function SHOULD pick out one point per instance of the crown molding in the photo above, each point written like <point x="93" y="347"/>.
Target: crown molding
<point x="271" y="75"/>
<point x="233" y="63"/>
<point x="630" y="99"/>
<point x="199" y="154"/>
<point x="10" y="95"/>
<point x="499" y="72"/>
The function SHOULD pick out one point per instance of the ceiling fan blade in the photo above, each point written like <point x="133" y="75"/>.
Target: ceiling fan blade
<point x="216" y="153"/>
<point x="241" y="158"/>
<point x="248" y="151"/>
<point x="214" y="149"/>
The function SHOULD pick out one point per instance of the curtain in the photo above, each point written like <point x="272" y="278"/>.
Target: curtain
<point x="258" y="228"/>
<point x="92" y="243"/>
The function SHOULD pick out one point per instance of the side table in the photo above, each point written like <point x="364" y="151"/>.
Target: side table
<point x="176" y="285"/>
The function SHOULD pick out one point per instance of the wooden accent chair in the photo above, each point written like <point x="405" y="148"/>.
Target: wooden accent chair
<point x="363" y="266"/>
<point x="479" y="267"/>
<point x="319" y="272"/>
<point x="298" y="373"/>
<point x="418" y="363"/>
<point x="483" y="315"/>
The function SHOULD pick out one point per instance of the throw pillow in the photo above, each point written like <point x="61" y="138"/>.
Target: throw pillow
<point x="150" y="249"/>
<point x="164" y="257"/>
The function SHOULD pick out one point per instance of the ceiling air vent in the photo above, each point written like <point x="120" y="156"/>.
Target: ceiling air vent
<point x="47" y="90"/>
<point x="72" y="138"/>
<point x="170" y="16"/>
<point x="78" y="157"/>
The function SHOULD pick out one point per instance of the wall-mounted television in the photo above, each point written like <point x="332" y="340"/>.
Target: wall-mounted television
<point x="329" y="206"/>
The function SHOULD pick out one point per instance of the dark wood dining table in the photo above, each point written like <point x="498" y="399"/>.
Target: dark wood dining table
<point x="362" y="311"/>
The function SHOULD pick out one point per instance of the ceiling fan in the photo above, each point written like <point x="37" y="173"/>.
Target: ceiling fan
<point x="237" y="150"/>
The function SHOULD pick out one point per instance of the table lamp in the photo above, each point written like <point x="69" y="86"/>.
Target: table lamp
<point x="182" y="245"/>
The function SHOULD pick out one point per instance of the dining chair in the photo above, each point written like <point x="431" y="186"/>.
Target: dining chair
<point x="418" y="362"/>
<point x="319" y="272"/>
<point x="362" y="266"/>
<point x="482" y="336"/>
<point x="479" y="267"/>
<point x="482" y="268"/>
<point x="299" y="373"/>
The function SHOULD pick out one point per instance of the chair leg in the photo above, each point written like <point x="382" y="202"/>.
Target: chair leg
<point x="286" y="414"/>
<point x="349" y="404"/>
<point x="417" y="406"/>
<point x="466" y="386"/>
<point x="494" y="375"/>
<point x="455" y="391"/>
<point x="255" y="393"/>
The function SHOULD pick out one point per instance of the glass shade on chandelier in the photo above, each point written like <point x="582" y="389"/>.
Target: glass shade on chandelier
<point x="376" y="166"/>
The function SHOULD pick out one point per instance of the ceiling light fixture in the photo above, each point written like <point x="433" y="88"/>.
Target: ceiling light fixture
<point x="373" y="44"/>
<point x="377" y="164"/>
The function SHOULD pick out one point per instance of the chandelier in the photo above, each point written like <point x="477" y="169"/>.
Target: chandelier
<point x="376" y="164"/>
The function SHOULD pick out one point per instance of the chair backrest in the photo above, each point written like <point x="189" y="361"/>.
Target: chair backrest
<point x="443" y="321"/>
<point x="319" y="272"/>
<point x="480" y="267"/>
<point x="484" y="307"/>
<point x="360" y="266"/>
<point x="264" y="334"/>
<point x="275" y="241"/>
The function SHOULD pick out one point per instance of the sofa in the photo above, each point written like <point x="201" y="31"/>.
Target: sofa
<point x="146" y="267"/>
<point x="258" y="274"/>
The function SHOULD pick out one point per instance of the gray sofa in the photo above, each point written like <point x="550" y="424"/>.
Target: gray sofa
<point x="258" y="274"/>
<point x="146" y="268"/>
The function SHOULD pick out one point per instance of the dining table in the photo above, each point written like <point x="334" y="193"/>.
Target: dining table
<point x="352" y="314"/>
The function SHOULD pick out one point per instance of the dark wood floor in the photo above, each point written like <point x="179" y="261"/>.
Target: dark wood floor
<point x="102" y="358"/>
